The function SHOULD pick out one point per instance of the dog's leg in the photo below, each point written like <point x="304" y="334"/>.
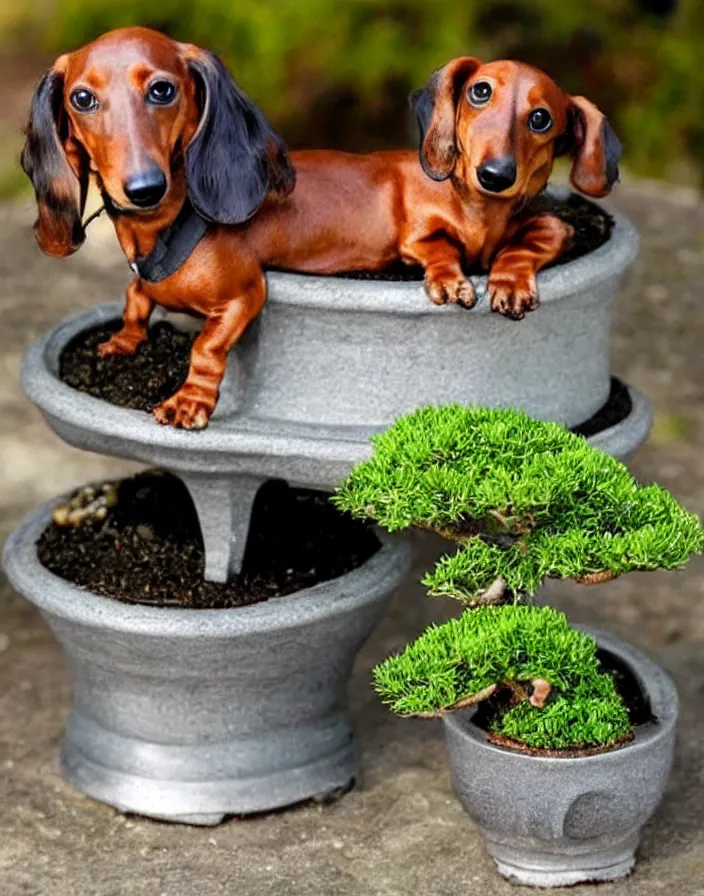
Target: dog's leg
<point x="191" y="406"/>
<point x="444" y="279"/>
<point x="135" y="320"/>
<point x="532" y="243"/>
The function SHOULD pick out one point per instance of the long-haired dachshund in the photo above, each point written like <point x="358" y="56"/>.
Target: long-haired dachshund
<point x="203" y="194"/>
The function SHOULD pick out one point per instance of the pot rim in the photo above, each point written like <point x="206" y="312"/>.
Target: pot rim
<point x="381" y="573"/>
<point x="655" y="681"/>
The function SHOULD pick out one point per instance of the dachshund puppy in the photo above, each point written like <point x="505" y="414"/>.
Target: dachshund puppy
<point x="203" y="194"/>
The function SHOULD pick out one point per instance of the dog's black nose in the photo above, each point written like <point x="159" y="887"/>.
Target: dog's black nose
<point x="147" y="188"/>
<point x="497" y="175"/>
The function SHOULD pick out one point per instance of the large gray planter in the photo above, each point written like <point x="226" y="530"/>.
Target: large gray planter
<point x="190" y="715"/>
<point x="332" y="360"/>
<point x="557" y="822"/>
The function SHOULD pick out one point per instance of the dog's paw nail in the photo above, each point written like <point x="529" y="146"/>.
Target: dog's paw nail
<point x="436" y="294"/>
<point x="200" y="420"/>
<point x="465" y="296"/>
<point x="184" y="412"/>
<point x="164" y="413"/>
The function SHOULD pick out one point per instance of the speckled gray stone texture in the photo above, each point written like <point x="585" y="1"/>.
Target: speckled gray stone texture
<point x="551" y="822"/>
<point x="193" y="715"/>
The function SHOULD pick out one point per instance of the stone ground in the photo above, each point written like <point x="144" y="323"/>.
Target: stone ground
<point x="400" y="831"/>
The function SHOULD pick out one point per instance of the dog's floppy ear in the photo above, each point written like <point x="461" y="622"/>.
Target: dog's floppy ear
<point x="595" y="148"/>
<point x="234" y="159"/>
<point x="435" y="109"/>
<point x="57" y="165"/>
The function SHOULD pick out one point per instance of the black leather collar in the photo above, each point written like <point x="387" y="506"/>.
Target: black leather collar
<point x="173" y="246"/>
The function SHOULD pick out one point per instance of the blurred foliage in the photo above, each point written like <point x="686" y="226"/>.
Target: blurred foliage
<point x="337" y="72"/>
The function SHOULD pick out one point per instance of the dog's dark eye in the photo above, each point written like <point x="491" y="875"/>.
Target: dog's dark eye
<point x="540" y="121"/>
<point x="480" y="93"/>
<point x="83" y="100"/>
<point x="161" y="93"/>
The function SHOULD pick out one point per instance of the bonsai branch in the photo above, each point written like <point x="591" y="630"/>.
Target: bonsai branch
<point x="541" y="692"/>
<point x="536" y="692"/>
<point x="464" y="703"/>
<point x="596" y="578"/>
<point x="494" y="594"/>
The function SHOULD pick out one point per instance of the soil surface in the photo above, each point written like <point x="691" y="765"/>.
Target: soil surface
<point x="592" y="228"/>
<point x="140" y="381"/>
<point x="148" y="549"/>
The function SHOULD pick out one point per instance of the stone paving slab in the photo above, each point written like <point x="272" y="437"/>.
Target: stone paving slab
<point x="401" y="831"/>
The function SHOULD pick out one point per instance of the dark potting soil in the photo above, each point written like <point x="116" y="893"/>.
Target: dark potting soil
<point x="148" y="548"/>
<point x="592" y="228"/>
<point x="627" y="684"/>
<point x="140" y="381"/>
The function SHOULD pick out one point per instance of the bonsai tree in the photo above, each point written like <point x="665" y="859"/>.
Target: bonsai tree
<point x="524" y="501"/>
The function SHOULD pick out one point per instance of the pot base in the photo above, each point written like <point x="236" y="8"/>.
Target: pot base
<point x="201" y="785"/>
<point x="530" y="869"/>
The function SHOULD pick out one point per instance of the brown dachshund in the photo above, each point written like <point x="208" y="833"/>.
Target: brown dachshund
<point x="201" y="190"/>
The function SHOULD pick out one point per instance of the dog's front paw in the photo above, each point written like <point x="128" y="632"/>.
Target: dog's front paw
<point x="513" y="295"/>
<point x="119" y="344"/>
<point x="185" y="409"/>
<point x="456" y="289"/>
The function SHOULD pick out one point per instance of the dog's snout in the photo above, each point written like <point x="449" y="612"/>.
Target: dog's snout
<point x="146" y="188"/>
<point x="497" y="175"/>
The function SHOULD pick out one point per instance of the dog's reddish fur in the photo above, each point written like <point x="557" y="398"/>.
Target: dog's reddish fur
<point x="346" y="212"/>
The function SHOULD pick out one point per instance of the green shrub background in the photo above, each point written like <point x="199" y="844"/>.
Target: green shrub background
<point x="337" y="72"/>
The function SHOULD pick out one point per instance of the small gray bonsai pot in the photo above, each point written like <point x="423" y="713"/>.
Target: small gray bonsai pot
<point x="191" y="715"/>
<point x="551" y="822"/>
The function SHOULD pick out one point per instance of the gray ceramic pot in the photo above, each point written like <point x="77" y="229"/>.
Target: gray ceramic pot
<point x="190" y="715"/>
<point x="557" y="822"/>
<point x="332" y="360"/>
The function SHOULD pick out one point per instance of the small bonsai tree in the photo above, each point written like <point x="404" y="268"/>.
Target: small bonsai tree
<point x="524" y="500"/>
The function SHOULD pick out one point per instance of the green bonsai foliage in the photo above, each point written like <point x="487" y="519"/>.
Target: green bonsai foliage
<point x="523" y="500"/>
<point x="520" y="648"/>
